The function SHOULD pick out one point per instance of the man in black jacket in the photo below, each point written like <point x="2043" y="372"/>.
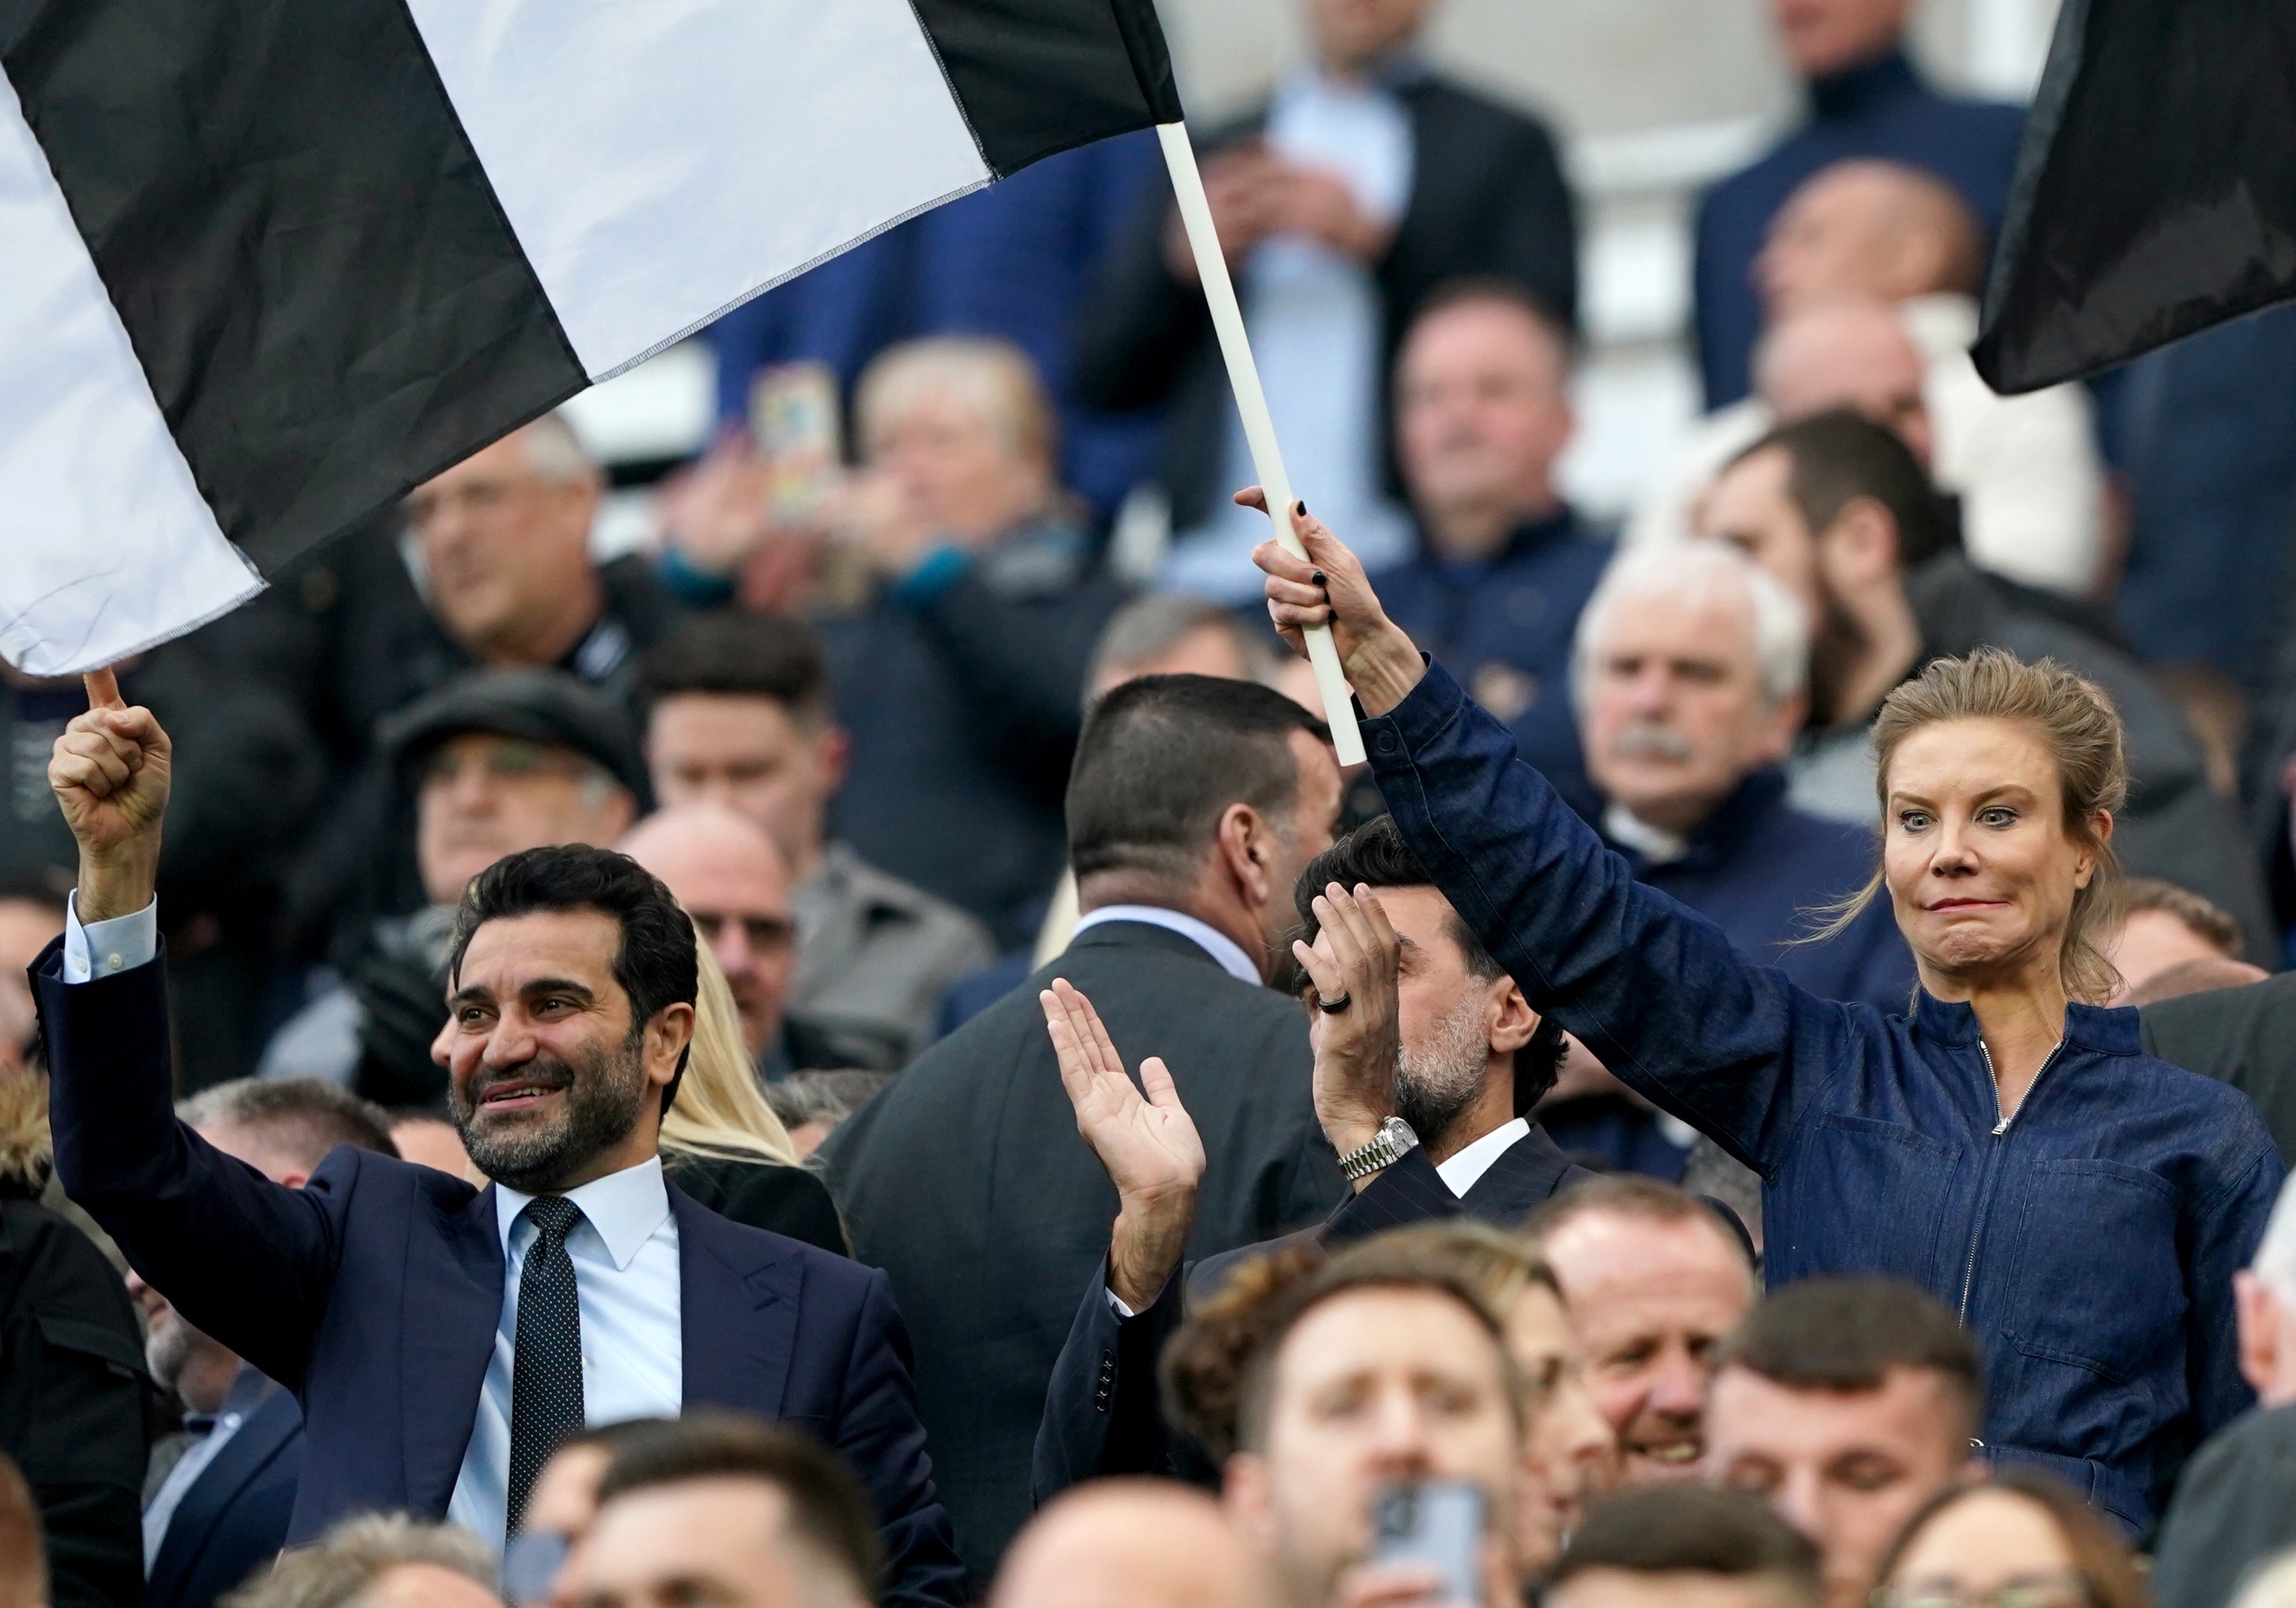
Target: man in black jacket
<point x="1426" y="1060"/>
<point x="1194" y="804"/>
<point x="218" y="1495"/>
<point x="1365" y="182"/>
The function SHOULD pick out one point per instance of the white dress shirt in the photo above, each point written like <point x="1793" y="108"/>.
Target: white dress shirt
<point x="1463" y="1171"/>
<point x="1214" y="942"/>
<point x="627" y="1286"/>
<point x="626" y="1278"/>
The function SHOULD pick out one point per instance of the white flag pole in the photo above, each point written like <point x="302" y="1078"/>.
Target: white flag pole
<point x="1258" y="428"/>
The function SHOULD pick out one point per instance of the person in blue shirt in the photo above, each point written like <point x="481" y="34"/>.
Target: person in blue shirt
<point x="1013" y="260"/>
<point x="1865" y="99"/>
<point x="1691" y="680"/>
<point x="1503" y="564"/>
<point x="2006" y="1144"/>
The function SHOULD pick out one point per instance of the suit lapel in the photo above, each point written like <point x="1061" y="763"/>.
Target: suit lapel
<point x="243" y="1457"/>
<point x="1526" y="1173"/>
<point x="738" y="1297"/>
<point x="453" y="1310"/>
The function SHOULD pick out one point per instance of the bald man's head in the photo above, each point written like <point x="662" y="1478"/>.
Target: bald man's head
<point x="1129" y="1544"/>
<point x="729" y="876"/>
<point x="1846" y="354"/>
<point x="1872" y="230"/>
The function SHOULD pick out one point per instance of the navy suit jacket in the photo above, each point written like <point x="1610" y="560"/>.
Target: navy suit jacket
<point x="373" y="1291"/>
<point x="233" y="1519"/>
<point x="1102" y="1416"/>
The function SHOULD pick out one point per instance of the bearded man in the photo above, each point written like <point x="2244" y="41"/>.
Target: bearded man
<point x="443" y="1338"/>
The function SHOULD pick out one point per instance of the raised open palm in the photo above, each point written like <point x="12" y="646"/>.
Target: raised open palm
<point x="1149" y="1145"/>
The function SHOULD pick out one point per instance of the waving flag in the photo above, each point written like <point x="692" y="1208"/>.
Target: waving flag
<point x="267" y="264"/>
<point x="2156" y="191"/>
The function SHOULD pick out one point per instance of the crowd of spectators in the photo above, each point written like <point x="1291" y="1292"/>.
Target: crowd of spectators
<point x="871" y="1051"/>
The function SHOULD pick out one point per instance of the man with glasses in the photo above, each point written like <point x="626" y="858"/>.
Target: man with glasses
<point x="731" y="880"/>
<point x="494" y="762"/>
<point x="1847" y="1404"/>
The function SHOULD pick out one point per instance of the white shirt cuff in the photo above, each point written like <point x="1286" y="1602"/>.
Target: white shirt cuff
<point x="121" y="944"/>
<point x="1116" y="1305"/>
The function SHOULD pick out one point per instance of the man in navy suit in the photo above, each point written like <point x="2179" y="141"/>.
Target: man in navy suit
<point x="218" y="1507"/>
<point x="1427" y="1061"/>
<point x="442" y="1340"/>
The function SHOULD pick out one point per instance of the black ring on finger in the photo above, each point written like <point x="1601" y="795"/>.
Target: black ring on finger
<point x="1334" y="1007"/>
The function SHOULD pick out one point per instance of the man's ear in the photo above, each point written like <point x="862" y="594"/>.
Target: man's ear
<point x="1782" y="722"/>
<point x="1243" y="839"/>
<point x="1513" y="1021"/>
<point x="666" y="1039"/>
<point x="1862" y="544"/>
<point x="836" y="750"/>
<point x="1250" y="1502"/>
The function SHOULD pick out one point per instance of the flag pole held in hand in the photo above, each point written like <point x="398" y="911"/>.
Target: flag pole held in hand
<point x="1259" y="427"/>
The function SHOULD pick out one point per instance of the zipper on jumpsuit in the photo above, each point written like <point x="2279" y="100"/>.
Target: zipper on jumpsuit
<point x="1992" y="1161"/>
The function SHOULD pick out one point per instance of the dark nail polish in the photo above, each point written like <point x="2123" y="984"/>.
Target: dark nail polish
<point x="1300" y="508"/>
<point x="1316" y="577"/>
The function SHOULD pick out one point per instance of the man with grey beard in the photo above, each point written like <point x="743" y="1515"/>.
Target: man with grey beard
<point x="1690" y="674"/>
<point x="1427" y="1063"/>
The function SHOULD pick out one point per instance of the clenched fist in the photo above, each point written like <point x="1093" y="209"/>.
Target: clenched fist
<point x="110" y="773"/>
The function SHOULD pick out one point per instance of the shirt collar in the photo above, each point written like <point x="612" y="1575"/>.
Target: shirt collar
<point x="1214" y="942"/>
<point x="624" y="1208"/>
<point x="1463" y="1171"/>
<point x="1856" y="90"/>
<point x="1655" y="844"/>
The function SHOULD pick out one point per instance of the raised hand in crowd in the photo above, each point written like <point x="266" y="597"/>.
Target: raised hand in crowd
<point x="1148" y="1143"/>
<point x="1328" y="588"/>
<point x="1355" y="964"/>
<point x="109" y="772"/>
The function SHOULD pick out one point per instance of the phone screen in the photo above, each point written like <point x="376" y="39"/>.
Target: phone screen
<point x="1440" y="1522"/>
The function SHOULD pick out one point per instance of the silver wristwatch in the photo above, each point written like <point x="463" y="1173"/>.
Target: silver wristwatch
<point x="1385" y="1150"/>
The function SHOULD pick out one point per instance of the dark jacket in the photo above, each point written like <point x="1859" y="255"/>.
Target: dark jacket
<point x="780" y="1198"/>
<point x="1759" y="869"/>
<point x="233" y="1519"/>
<point x="966" y="1181"/>
<point x="72" y="1401"/>
<point x="963" y="691"/>
<point x="373" y="1293"/>
<point x="1508" y="625"/>
<point x="1487" y="197"/>
<point x="1102" y="1414"/>
<point x="2245" y="1037"/>
<point x="2231" y="1513"/>
<point x="2090" y="1242"/>
<point x="1883" y="110"/>
<point x="2175" y="825"/>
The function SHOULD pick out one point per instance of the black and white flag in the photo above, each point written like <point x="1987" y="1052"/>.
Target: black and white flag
<point x="265" y="265"/>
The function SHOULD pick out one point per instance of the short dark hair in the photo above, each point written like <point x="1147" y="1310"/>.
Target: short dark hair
<point x="1467" y="289"/>
<point x="1692" y="1530"/>
<point x="1631" y="1195"/>
<point x="1162" y="757"/>
<point x="654" y="963"/>
<point x="1218" y="1370"/>
<point x="1374" y="856"/>
<point x="2208" y="923"/>
<point x="308" y="1115"/>
<point x="1844" y="1333"/>
<point x="829" y="1514"/>
<point x="1837" y="456"/>
<point x="731" y="654"/>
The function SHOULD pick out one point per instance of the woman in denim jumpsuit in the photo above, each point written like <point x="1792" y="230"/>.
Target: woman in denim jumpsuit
<point x="2005" y="1146"/>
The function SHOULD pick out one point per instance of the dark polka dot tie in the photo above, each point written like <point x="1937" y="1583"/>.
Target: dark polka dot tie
<point x="545" y="1379"/>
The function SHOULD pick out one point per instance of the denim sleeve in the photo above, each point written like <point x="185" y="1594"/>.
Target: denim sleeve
<point x="2223" y="1234"/>
<point x="1653" y="988"/>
